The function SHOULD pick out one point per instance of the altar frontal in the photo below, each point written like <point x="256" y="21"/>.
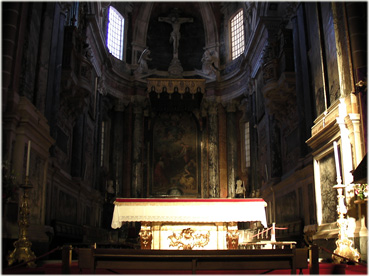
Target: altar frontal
<point x="188" y="223"/>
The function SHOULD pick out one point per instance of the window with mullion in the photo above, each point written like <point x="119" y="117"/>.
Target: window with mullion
<point x="115" y="33"/>
<point x="237" y="35"/>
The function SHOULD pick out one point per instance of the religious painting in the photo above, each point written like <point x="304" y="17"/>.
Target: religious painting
<point x="329" y="195"/>
<point x="286" y="208"/>
<point x="175" y="155"/>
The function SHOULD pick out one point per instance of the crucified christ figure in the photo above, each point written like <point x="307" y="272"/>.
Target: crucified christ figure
<point x="175" y="35"/>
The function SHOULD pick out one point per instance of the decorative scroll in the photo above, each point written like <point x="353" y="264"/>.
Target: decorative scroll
<point x="188" y="239"/>
<point x="181" y="86"/>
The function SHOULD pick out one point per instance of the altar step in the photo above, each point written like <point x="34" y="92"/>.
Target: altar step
<point x="54" y="267"/>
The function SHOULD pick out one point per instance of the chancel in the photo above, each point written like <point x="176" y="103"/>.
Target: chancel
<point x="135" y="131"/>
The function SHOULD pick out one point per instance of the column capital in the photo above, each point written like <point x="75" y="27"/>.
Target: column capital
<point x="210" y="105"/>
<point x="120" y="104"/>
<point x="139" y="103"/>
<point x="231" y="106"/>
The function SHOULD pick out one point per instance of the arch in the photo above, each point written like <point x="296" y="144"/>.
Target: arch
<point x="142" y="23"/>
<point x="140" y="31"/>
<point x="211" y="31"/>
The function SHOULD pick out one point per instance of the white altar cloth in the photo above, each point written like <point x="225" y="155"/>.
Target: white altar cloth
<point x="188" y="210"/>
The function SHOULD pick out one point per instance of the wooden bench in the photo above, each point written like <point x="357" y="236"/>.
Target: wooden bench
<point x="192" y="260"/>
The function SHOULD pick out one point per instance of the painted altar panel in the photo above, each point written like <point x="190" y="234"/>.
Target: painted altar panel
<point x="329" y="194"/>
<point x="175" y="155"/>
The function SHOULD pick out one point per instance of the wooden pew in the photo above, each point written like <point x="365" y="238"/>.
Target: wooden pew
<point x="193" y="260"/>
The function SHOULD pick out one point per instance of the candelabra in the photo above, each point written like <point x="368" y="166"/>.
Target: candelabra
<point x="344" y="244"/>
<point x="22" y="250"/>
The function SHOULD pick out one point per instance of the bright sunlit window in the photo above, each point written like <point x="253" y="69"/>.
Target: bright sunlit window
<point x="237" y="35"/>
<point x="115" y="33"/>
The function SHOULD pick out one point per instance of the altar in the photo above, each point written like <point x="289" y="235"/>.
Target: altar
<point x="188" y="223"/>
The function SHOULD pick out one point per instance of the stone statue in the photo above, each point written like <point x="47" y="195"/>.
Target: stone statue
<point x="209" y="60"/>
<point x="142" y="62"/>
<point x="240" y="188"/>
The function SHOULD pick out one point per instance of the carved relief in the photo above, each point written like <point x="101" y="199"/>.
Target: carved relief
<point x="187" y="239"/>
<point x="232" y="236"/>
<point x="145" y="236"/>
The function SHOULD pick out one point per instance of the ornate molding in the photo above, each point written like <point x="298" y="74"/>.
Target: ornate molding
<point x="181" y="86"/>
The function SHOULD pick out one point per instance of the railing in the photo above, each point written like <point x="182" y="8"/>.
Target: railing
<point x="68" y="249"/>
<point x="270" y="230"/>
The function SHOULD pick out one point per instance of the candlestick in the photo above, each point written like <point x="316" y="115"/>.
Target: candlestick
<point x="28" y="158"/>
<point x="344" y="244"/>
<point x="22" y="247"/>
<point x="336" y="160"/>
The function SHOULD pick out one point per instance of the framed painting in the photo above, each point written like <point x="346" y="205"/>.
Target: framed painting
<point x="175" y="152"/>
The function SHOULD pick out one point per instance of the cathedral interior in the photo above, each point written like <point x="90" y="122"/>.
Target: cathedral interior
<point x="107" y="100"/>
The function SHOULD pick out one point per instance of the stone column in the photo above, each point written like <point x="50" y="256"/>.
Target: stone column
<point x="231" y="148"/>
<point x="213" y="150"/>
<point x="204" y="154"/>
<point x="137" y="148"/>
<point x="222" y="152"/>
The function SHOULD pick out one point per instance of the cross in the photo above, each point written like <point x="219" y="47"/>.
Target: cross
<point x="175" y="35"/>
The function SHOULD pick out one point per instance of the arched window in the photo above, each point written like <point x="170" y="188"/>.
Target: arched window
<point x="237" y="35"/>
<point x="115" y="35"/>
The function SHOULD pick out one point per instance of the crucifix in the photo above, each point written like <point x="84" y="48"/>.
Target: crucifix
<point x="175" y="35"/>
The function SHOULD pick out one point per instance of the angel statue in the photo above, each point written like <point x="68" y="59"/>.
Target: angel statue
<point x="142" y="62"/>
<point x="209" y="60"/>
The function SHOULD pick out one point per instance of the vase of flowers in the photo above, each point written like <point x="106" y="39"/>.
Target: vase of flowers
<point x="361" y="190"/>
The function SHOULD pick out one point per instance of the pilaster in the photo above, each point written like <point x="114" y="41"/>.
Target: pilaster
<point x="231" y="148"/>
<point x="213" y="150"/>
<point x="137" y="147"/>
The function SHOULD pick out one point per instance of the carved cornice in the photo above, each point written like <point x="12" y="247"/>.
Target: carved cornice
<point x="170" y="95"/>
<point x="325" y="127"/>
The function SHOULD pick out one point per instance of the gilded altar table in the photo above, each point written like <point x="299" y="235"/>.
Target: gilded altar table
<point x="188" y="223"/>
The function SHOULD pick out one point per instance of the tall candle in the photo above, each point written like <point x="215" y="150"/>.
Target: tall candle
<point x="28" y="157"/>
<point x="336" y="160"/>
